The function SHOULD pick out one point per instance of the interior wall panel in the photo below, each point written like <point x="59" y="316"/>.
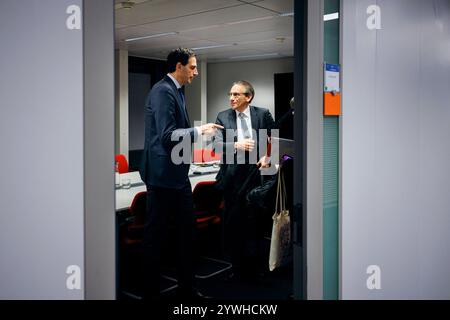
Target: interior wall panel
<point x="395" y="208"/>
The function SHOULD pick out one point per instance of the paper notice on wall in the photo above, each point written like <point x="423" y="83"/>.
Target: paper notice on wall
<point x="331" y="81"/>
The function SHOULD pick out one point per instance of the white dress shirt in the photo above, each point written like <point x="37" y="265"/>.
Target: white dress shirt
<point x="174" y="81"/>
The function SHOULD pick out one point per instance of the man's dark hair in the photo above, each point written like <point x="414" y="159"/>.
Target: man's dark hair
<point x="248" y="88"/>
<point x="178" y="55"/>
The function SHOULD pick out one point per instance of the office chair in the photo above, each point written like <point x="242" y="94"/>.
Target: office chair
<point x="134" y="229"/>
<point x="208" y="207"/>
<point x="132" y="249"/>
<point x="197" y="155"/>
<point x="123" y="163"/>
<point x="204" y="155"/>
<point x="210" y="155"/>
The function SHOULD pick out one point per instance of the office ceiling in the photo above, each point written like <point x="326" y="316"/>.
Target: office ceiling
<point x="240" y="30"/>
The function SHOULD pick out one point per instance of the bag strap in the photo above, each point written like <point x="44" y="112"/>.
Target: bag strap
<point x="283" y="192"/>
<point x="278" y="191"/>
<point x="281" y="198"/>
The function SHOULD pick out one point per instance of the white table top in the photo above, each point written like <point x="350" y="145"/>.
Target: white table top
<point x="124" y="197"/>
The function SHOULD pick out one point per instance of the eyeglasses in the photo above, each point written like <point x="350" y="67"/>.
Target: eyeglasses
<point x="236" y="94"/>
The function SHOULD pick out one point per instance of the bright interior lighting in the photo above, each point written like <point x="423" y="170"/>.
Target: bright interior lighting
<point x="331" y="16"/>
<point x="212" y="47"/>
<point x="152" y="36"/>
<point x="256" y="55"/>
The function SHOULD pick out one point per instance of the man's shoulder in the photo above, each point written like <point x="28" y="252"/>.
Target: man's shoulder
<point x="162" y="85"/>
<point x="225" y="113"/>
<point x="260" y="112"/>
<point x="259" y="109"/>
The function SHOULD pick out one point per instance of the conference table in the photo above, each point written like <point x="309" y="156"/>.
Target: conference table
<point x="125" y="196"/>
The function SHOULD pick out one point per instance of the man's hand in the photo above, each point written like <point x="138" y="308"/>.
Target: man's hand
<point x="209" y="129"/>
<point x="264" y="162"/>
<point x="246" y="145"/>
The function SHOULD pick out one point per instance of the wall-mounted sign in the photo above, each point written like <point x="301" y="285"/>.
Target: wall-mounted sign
<point x="331" y="95"/>
<point x="331" y="82"/>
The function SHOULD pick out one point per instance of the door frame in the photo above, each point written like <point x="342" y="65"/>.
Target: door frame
<point x="308" y="137"/>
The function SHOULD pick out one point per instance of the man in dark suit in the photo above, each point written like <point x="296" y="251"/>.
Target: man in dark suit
<point x="242" y="141"/>
<point x="165" y="173"/>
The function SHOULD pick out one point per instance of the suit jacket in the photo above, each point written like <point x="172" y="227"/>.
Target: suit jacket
<point x="166" y="124"/>
<point x="260" y="119"/>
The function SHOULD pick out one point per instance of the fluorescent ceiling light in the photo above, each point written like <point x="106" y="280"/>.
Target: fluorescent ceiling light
<point x="331" y="16"/>
<point x="152" y="36"/>
<point x="256" y="55"/>
<point x="286" y="14"/>
<point x="212" y="47"/>
<point x="258" y="41"/>
<point x="249" y="20"/>
<point x="201" y="28"/>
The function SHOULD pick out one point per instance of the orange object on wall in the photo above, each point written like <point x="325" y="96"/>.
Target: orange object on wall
<point x="332" y="104"/>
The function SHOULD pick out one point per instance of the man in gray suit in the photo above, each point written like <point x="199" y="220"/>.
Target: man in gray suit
<point x="243" y="138"/>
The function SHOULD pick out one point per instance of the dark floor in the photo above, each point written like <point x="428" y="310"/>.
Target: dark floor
<point x="276" y="285"/>
<point x="268" y="285"/>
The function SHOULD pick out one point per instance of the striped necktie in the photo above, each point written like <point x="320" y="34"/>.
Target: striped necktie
<point x="245" y="131"/>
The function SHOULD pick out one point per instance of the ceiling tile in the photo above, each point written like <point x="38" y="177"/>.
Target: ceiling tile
<point x="253" y="26"/>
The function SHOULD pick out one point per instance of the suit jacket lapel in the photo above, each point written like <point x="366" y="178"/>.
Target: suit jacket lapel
<point x="255" y="122"/>
<point x="186" y="116"/>
<point x="253" y="118"/>
<point x="232" y="119"/>
<point x="179" y="101"/>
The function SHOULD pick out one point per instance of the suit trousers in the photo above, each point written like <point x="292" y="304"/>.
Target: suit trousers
<point x="169" y="216"/>
<point x="241" y="221"/>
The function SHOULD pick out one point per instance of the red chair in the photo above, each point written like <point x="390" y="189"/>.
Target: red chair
<point x="208" y="203"/>
<point x="210" y="155"/>
<point x="204" y="155"/>
<point x="131" y="249"/>
<point x="123" y="163"/>
<point x="134" y="230"/>
<point x="197" y="156"/>
<point x="208" y="208"/>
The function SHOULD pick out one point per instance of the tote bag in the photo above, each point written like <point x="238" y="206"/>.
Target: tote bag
<point x="280" y="244"/>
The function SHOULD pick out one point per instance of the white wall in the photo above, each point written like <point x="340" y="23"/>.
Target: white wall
<point x="41" y="133"/>
<point x="395" y="204"/>
<point x="57" y="217"/>
<point x="99" y="194"/>
<point x="259" y="73"/>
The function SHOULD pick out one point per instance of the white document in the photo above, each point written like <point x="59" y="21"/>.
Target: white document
<point x="331" y="82"/>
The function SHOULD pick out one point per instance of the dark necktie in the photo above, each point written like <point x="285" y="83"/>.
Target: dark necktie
<point x="180" y="90"/>
<point x="245" y="131"/>
<point x="183" y="104"/>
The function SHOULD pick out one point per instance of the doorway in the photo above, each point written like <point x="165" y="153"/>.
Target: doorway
<point x="240" y="54"/>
